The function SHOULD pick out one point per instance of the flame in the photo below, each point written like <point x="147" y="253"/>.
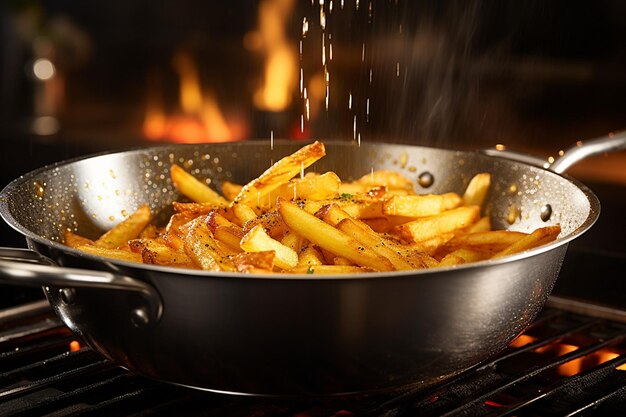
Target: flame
<point x="74" y="346"/>
<point x="201" y="119"/>
<point x="522" y="340"/>
<point x="190" y="91"/>
<point x="279" y="77"/>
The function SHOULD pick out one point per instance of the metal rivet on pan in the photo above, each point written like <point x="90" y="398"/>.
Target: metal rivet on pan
<point x="139" y="317"/>
<point x="68" y="295"/>
<point x="546" y="212"/>
<point x="425" y="179"/>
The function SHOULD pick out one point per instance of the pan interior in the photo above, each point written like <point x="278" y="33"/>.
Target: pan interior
<point x="92" y="194"/>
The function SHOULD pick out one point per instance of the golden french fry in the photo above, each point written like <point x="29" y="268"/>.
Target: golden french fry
<point x="492" y="241"/>
<point x="428" y="227"/>
<point x="153" y="252"/>
<point x="390" y="179"/>
<point x="278" y="174"/>
<point x="470" y="255"/>
<point x="378" y="224"/>
<point x="230" y="189"/>
<point x="243" y="213"/>
<point x="119" y="254"/>
<point x="149" y="232"/>
<point x="414" y="205"/>
<point x="229" y="235"/>
<point x="257" y="240"/>
<point x="352" y="188"/>
<point x="319" y="187"/>
<point x="203" y="250"/>
<point x="310" y="256"/>
<point x="215" y="219"/>
<point x="482" y="225"/>
<point x="271" y="221"/>
<point x="194" y="189"/>
<point x="329" y="269"/>
<point x="372" y="240"/>
<point x="126" y="230"/>
<point x="195" y="209"/>
<point x="74" y="240"/>
<point x="539" y="237"/>
<point x="254" y="262"/>
<point x="451" y="200"/>
<point x="477" y="189"/>
<point x="293" y="241"/>
<point x="329" y="238"/>
<point x="451" y="259"/>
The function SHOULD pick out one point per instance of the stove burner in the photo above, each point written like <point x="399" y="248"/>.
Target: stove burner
<point x="565" y="363"/>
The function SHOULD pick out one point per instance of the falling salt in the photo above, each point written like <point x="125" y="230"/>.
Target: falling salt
<point x="301" y="169"/>
<point x="272" y="140"/>
<point x="307" y="108"/>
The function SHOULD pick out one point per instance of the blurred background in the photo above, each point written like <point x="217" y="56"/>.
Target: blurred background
<point x="82" y="77"/>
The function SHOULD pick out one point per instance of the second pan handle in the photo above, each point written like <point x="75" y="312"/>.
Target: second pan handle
<point x="613" y="142"/>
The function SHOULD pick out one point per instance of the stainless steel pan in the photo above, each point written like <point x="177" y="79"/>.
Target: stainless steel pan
<point x="288" y="335"/>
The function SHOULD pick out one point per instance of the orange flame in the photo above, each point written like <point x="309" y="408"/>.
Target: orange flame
<point x="201" y="119"/>
<point x="279" y="79"/>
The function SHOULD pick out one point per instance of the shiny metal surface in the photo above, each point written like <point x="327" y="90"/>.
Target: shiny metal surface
<point x="581" y="150"/>
<point x="297" y="334"/>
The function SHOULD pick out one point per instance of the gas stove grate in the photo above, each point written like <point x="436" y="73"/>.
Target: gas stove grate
<point x="564" y="364"/>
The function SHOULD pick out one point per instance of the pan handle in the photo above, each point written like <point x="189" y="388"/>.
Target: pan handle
<point x="582" y="149"/>
<point x="26" y="267"/>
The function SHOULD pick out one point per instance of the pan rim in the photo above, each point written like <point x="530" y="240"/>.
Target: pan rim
<point x="7" y="216"/>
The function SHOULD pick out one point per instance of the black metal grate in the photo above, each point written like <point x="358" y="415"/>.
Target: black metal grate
<point x="564" y="364"/>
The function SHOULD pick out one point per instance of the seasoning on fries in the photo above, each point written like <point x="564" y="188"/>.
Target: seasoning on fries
<point x="287" y="222"/>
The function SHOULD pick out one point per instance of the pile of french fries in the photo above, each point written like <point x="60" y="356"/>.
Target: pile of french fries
<point x="287" y="222"/>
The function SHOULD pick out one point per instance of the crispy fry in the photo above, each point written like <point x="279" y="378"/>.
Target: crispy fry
<point x="293" y="241"/>
<point x="414" y="205"/>
<point x="254" y="262"/>
<point x="329" y="238"/>
<point x="374" y="242"/>
<point x="477" y="189"/>
<point x="257" y="240"/>
<point x="391" y="179"/>
<point x="230" y="236"/>
<point x="431" y="226"/>
<point x="126" y="230"/>
<point x="243" y="213"/>
<point x="329" y="269"/>
<point x="74" y="240"/>
<point x="320" y="187"/>
<point x="153" y="252"/>
<point x="194" y="189"/>
<point x="230" y="190"/>
<point x="279" y="173"/>
<point x="539" y="237"/>
<point x="493" y="241"/>
<point x="194" y="209"/>
<point x="271" y="221"/>
<point x="119" y="254"/>
<point x="203" y="249"/>
<point x="310" y="256"/>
